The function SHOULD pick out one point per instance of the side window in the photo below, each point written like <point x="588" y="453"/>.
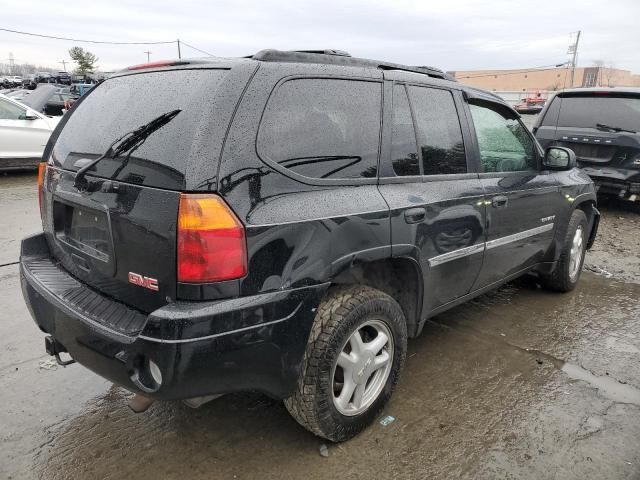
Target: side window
<point x="323" y="128"/>
<point x="504" y="143"/>
<point x="404" y="150"/>
<point x="551" y="117"/>
<point x="438" y="129"/>
<point x="9" y="111"/>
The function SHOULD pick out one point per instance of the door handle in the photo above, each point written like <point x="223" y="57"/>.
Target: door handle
<point x="415" y="215"/>
<point x="499" y="201"/>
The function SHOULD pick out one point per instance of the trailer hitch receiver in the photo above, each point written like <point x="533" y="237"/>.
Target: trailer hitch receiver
<point x="55" y="348"/>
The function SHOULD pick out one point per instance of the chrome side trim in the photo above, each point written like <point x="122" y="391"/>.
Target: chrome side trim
<point x="456" y="254"/>
<point x="498" y="242"/>
<point x="480" y="247"/>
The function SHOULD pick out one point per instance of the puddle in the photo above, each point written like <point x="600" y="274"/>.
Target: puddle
<point x="607" y="386"/>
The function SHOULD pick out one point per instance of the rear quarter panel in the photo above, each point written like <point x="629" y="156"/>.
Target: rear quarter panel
<point x="297" y="233"/>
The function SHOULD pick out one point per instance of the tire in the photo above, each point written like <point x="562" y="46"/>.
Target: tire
<point x="564" y="277"/>
<point x="345" y="310"/>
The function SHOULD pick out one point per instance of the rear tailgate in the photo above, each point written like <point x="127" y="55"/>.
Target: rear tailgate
<point x="116" y="230"/>
<point x="581" y="121"/>
<point x="113" y="235"/>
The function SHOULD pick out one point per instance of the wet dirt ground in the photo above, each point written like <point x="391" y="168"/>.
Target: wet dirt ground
<point x="519" y="383"/>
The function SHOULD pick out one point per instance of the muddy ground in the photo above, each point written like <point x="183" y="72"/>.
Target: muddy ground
<point x="519" y="383"/>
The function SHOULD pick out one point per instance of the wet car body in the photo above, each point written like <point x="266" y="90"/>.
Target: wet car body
<point x="447" y="236"/>
<point x="610" y="156"/>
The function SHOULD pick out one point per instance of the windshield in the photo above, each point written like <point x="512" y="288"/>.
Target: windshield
<point x="122" y="105"/>
<point x="587" y="111"/>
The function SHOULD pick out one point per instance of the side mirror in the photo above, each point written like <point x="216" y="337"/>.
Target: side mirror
<point x="559" y="158"/>
<point x="29" y="115"/>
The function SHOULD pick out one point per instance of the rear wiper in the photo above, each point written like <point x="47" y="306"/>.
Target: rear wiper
<point x="129" y="141"/>
<point x="614" y="129"/>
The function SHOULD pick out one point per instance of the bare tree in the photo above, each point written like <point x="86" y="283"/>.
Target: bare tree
<point x="610" y="74"/>
<point x="599" y="64"/>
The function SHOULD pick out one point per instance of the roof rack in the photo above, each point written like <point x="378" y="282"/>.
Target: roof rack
<point x="340" y="57"/>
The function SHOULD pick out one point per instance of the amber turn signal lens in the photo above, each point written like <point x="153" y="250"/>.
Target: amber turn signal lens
<point x="42" y="169"/>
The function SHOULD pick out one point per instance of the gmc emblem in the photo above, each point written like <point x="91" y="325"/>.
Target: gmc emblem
<point x="142" y="281"/>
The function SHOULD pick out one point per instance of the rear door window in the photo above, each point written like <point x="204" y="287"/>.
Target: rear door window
<point x="587" y="111"/>
<point x="438" y="129"/>
<point x="404" y="149"/>
<point x="323" y="128"/>
<point x="121" y="105"/>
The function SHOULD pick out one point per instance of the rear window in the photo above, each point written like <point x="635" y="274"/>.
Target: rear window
<point x="121" y="105"/>
<point x="586" y="111"/>
<point x="323" y="128"/>
<point x="551" y="117"/>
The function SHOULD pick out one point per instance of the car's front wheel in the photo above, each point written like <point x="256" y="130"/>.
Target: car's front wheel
<point x="354" y="355"/>
<point x="564" y="277"/>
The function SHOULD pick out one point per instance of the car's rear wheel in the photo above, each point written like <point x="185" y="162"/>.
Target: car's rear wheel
<point x="565" y="276"/>
<point x="353" y="360"/>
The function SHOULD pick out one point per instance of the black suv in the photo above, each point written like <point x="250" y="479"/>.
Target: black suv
<point x="284" y="223"/>
<point x="602" y="126"/>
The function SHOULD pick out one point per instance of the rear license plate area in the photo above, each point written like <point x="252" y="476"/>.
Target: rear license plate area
<point x="84" y="230"/>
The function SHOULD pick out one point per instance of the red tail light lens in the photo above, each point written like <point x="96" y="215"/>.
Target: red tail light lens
<point x="42" y="168"/>
<point x="161" y="63"/>
<point x="211" y="240"/>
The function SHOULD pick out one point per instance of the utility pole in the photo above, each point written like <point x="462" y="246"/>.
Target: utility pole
<point x="179" y="54"/>
<point x="64" y="65"/>
<point x="148" y="55"/>
<point x="574" y="49"/>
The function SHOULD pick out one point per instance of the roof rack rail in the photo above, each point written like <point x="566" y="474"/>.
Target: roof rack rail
<point x="339" y="57"/>
<point x="329" y="51"/>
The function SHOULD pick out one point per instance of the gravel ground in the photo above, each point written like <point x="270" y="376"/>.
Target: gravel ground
<point x="616" y="252"/>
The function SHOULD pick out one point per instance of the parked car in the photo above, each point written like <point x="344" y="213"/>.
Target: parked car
<point x="63" y="78"/>
<point x="602" y="126"/>
<point x="30" y="81"/>
<point x="44" y="77"/>
<point x="10" y="81"/>
<point x="23" y="134"/>
<point x="285" y="223"/>
<point x="56" y="105"/>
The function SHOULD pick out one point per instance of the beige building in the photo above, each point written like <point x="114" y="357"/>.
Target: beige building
<point x="530" y="80"/>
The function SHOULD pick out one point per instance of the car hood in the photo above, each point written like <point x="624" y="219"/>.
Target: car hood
<point x="39" y="97"/>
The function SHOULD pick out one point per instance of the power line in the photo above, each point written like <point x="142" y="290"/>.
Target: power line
<point x="84" y="41"/>
<point x="197" y="49"/>
<point x="514" y="72"/>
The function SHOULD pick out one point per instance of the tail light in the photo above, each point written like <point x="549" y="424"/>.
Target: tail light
<point x="161" y="63"/>
<point x="42" y="168"/>
<point x="211" y="240"/>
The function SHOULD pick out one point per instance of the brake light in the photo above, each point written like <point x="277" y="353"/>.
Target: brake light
<point x="42" y="168"/>
<point x="161" y="63"/>
<point x="211" y="240"/>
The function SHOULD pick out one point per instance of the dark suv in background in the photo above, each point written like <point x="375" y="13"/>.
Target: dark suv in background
<point x="285" y="222"/>
<point x="602" y="126"/>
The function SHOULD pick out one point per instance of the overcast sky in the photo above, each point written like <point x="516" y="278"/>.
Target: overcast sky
<point x="450" y="34"/>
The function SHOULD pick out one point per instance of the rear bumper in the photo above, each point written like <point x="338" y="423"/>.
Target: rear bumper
<point x="200" y="348"/>
<point x="624" y="184"/>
